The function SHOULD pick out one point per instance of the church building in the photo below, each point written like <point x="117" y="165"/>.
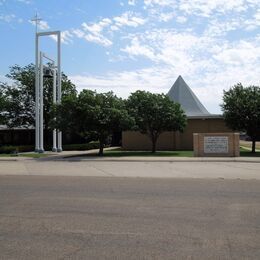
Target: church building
<point x="199" y="121"/>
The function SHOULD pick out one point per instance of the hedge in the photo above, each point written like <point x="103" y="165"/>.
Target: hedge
<point x="81" y="147"/>
<point x="67" y="147"/>
<point x="16" y="149"/>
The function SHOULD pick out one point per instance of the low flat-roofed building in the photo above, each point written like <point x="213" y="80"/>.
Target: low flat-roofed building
<point x="199" y="121"/>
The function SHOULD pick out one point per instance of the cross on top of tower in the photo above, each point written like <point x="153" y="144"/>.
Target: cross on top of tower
<point x="37" y="20"/>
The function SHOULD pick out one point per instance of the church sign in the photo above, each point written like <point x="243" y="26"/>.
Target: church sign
<point x="215" y="144"/>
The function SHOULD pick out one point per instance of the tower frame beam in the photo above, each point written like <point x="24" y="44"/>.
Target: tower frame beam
<point x="39" y="106"/>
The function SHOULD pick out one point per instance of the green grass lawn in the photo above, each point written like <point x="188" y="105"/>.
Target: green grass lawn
<point x="121" y="153"/>
<point x="29" y="155"/>
<point x="34" y="155"/>
<point x="247" y="153"/>
<point x="8" y="155"/>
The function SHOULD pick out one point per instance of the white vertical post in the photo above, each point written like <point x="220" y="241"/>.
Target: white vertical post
<point x="37" y="147"/>
<point x="54" y="133"/>
<point x="39" y="131"/>
<point x="41" y="150"/>
<point x="59" y="85"/>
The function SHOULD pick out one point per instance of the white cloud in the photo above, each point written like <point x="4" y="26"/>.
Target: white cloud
<point x="101" y="32"/>
<point x="137" y="49"/>
<point x="221" y="28"/>
<point x="254" y="22"/>
<point x="114" y="28"/>
<point x="179" y="50"/>
<point x="79" y="33"/>
<point x="25" y="1"/>
<point x="66" y="37"/>
<point x="128" y="19"/>
<point x="206" y="8"/>
<point x="94" y="32"/>
<point x="244" y="52"/>
<point x="7" y="18"/>
<point x="203" y="7"/>
<point x="166" y="17"/>
<point x="132" y="2"/>
<point x="42" y="25"/>
<point x="97" y="28"/>
<point x="99" y="39"/>
<point x="181" y="19"/>
<point x="159" y="2"/>
<point x="10" y="18"/>
<point x="123" y="83"/>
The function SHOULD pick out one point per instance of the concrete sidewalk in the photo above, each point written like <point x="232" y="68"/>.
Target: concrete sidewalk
<point x="130" y="168"/>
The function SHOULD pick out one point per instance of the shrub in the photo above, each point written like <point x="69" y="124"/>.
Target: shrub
<point x="67" y="147"/>
<point x="81" y="147"/>
<point x="8" y="149"/>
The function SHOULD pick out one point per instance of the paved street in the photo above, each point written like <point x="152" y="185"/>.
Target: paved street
<point x="46" y="217"/>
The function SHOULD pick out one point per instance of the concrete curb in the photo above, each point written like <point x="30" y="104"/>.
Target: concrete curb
<point x="155" y="159"/>
<point x="8" y="160"/>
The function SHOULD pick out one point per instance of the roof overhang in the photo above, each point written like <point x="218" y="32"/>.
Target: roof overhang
<point x="210" y="116"/>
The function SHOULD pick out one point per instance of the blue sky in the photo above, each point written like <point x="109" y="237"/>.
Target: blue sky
<point x="127" y="45"/>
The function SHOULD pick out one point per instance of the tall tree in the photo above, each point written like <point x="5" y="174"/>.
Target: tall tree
<point x="155" y="114"/>
<point x="2" y="107"/>
<point x="241" y="107"/>
<point x="20" y="96"/>
<point x="93" y="114"/>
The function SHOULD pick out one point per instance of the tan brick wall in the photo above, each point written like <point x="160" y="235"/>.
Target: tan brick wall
<point x="132" y="140"/>
<point x="233" y="144"/>
<point x="212" y="125"/>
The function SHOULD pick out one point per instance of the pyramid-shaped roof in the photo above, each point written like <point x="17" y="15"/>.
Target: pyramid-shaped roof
<point x="181" y="93"/>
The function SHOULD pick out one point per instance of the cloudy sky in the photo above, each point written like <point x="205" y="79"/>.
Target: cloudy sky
<point x="125" y="45"/>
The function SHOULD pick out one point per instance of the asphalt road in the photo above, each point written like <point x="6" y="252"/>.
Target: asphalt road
<point x="128" y="218"/>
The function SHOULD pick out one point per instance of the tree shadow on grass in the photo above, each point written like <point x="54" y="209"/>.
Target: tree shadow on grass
<point x="118" y="152"/>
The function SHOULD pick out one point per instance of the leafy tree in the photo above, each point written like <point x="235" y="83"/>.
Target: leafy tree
<point x="93" y="114"/>
<point x="20" y="96"/>
<point x="2" y="107"/>
<point x="241" y="107"/>
<point x="155" y="114"/>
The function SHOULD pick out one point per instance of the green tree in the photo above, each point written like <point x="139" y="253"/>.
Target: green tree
<point x="241" y="107"/>
<point x="155" y="114"/>
<point x="2" y="107"/>
<point x="93" y="114"/>
<point x="20" y="96"/>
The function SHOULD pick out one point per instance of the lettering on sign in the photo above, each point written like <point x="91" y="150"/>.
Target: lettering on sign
<point x="215" y="144"/>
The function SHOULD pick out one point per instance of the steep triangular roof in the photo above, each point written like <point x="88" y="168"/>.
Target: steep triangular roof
<point x="181" y="93"/>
